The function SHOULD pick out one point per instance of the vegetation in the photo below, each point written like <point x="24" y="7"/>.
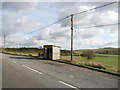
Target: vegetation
<point x="34" y="51"/>
<point x="103" y="61"/>
<point x="112" y="51"/>
<point x="96" y="57"/>
<point x="88" y="54"/>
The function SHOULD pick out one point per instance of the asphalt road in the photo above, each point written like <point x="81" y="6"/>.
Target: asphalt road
<point x="25" y="72"/>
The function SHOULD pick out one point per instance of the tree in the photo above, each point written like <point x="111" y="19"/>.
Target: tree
<point x="88" y="54"/>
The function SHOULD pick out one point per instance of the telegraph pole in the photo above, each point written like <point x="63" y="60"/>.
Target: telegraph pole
<point x="71" y="37"/>
<point x="4" y="42"/>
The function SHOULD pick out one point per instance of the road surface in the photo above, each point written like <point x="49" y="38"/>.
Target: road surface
<point x="26" y="72"/>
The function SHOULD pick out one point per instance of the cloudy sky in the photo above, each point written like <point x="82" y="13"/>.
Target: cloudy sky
<point x="18" y="19"/>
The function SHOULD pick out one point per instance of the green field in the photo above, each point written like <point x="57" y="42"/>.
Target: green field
<point x="109" y="61"/>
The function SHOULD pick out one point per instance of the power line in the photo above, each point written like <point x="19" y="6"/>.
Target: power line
<point x="17" y="5"/>
<point x="100" y="25"/>
<point x="36" y="6"/>
<point x="48" y="25"/>
<point x="54" y="11"/>
<point x="74" y="14"/>
<point x="95" y="8"/>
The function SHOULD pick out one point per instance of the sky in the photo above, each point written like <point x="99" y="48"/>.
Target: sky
<point x="18" y="19"/>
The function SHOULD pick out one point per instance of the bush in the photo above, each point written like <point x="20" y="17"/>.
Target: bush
<point x="92" y="64"/>
<point x="30" y="54"/>
<point x="88" y="54"/>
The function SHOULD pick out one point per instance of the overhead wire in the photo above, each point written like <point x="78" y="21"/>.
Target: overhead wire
<point x="49" y="25"/>
<point x="36" y="6"/>
<point x="95" y="8"/>
<point x="101" y="25"/>
<point x="73" y="15"/>
<point x="77" y="14"/>
<point x="21" y="4"/>
<point x="54" y="11"/>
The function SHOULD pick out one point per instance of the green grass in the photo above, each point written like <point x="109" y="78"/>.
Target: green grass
<point x="109" y="61"/>
<point x="25" y="51"/>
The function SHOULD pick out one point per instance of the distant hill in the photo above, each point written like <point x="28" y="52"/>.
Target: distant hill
<point x="114" y="51"/>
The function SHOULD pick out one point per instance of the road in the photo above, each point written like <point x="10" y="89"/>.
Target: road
<point x="26" y="72"/>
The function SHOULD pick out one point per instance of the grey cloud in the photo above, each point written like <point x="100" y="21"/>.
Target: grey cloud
<point x="18" y="6"/>
<point x="13" y="23"/>
<point x="112" y="43"/>
<point x="61" y="34"/>
<point x="87" y="33"/>
<point x="54" y="36"/>
<point x="92" y="18"/>
<point x="8" y="22"/>
<point x="94" y="43"/>
<point x="29" y="44"/>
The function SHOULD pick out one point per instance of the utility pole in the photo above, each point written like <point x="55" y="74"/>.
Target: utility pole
<point x="4" y="42"/>
<point x="71" y="37"/>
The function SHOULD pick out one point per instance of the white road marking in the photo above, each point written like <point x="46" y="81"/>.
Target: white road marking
<point x="72" y="69"/>
<point x="67" y="84"/>
<point x="32" y="69"/>
<point x="14" y="61"/>
<point x="70" y="75"/>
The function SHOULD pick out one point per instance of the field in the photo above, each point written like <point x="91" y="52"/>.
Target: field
<point x="109" y="61"/>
